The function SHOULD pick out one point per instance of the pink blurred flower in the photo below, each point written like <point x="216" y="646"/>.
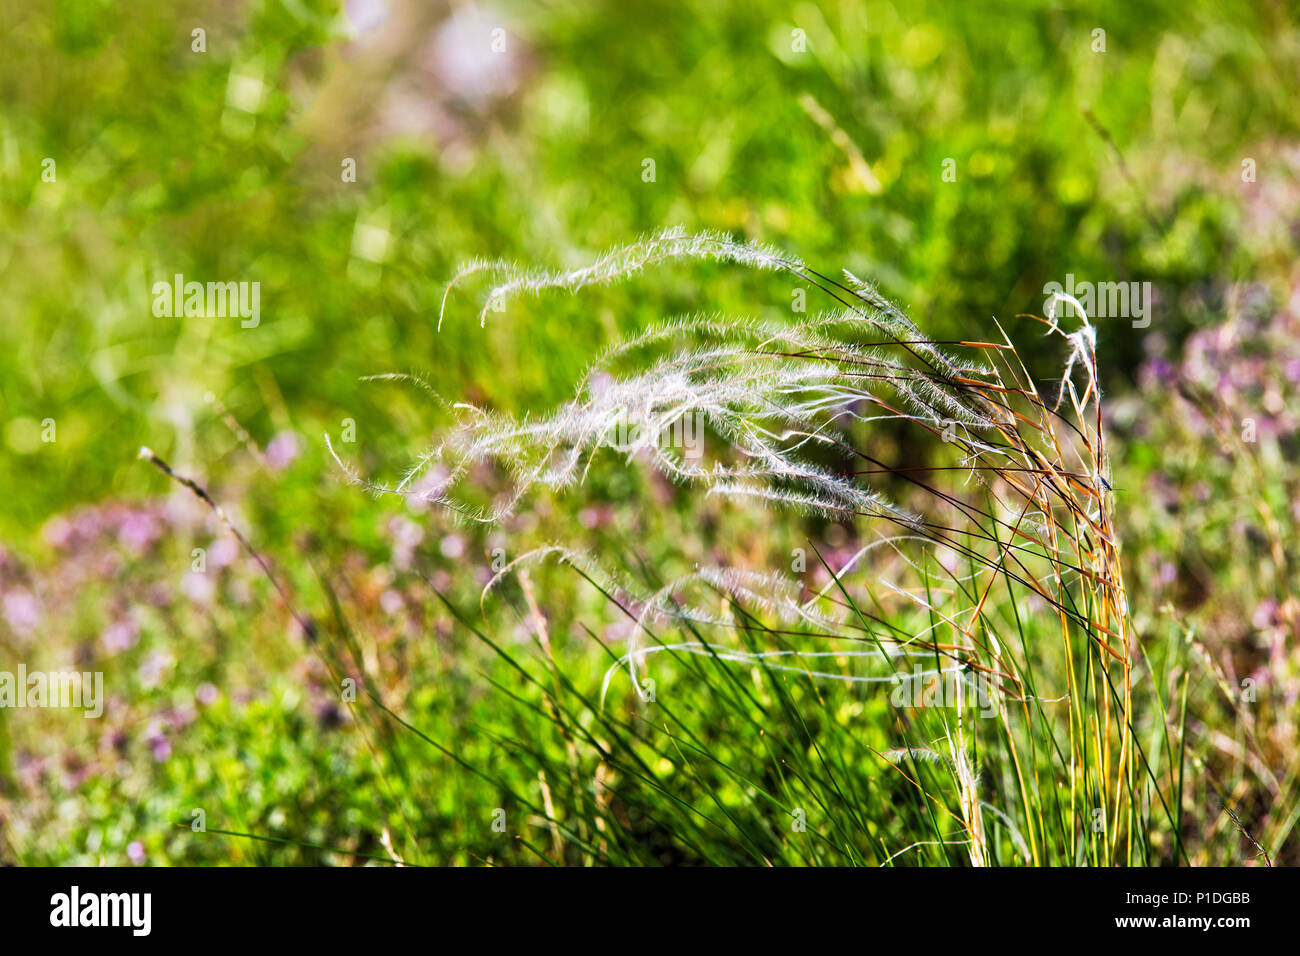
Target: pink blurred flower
<point x="22" y="611"/>
<point x="281" y="450"/>
<point x="198" y="586"/>
<point x="120" y="636"/>
<point x="406" y="534"/>
<point x="138" y="531"/>
<point x="452" y="546"/>
<point x="390" y="601"/>
<point x="153" y="669"/>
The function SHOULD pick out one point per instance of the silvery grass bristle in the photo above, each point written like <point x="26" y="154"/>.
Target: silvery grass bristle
<point x="771" y="390"/>
<point x="775" y="393"/>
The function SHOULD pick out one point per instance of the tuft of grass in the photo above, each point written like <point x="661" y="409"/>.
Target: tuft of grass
<point x="990" y="607"/>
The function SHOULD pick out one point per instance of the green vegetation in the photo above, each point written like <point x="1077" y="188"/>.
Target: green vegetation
<point x="824" y="130"/>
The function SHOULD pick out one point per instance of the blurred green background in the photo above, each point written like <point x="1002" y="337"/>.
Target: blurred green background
<point x="226" y="166"/>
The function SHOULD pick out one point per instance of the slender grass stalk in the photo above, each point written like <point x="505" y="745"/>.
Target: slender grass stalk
<point x="1040" y="536"/>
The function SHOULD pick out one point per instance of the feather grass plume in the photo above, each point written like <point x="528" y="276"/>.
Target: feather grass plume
<point x="1020" y="497"/>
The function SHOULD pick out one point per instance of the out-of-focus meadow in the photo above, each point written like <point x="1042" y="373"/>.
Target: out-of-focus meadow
<point x="526" y="132"/>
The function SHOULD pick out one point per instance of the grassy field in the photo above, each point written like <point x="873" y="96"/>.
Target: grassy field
<point x="463" y="624"/>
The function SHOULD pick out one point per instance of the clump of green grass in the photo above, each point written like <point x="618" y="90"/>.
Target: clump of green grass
<point x="994" y="580"/>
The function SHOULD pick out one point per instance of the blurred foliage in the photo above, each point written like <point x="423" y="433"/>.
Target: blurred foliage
<point x="166" y="163"/>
